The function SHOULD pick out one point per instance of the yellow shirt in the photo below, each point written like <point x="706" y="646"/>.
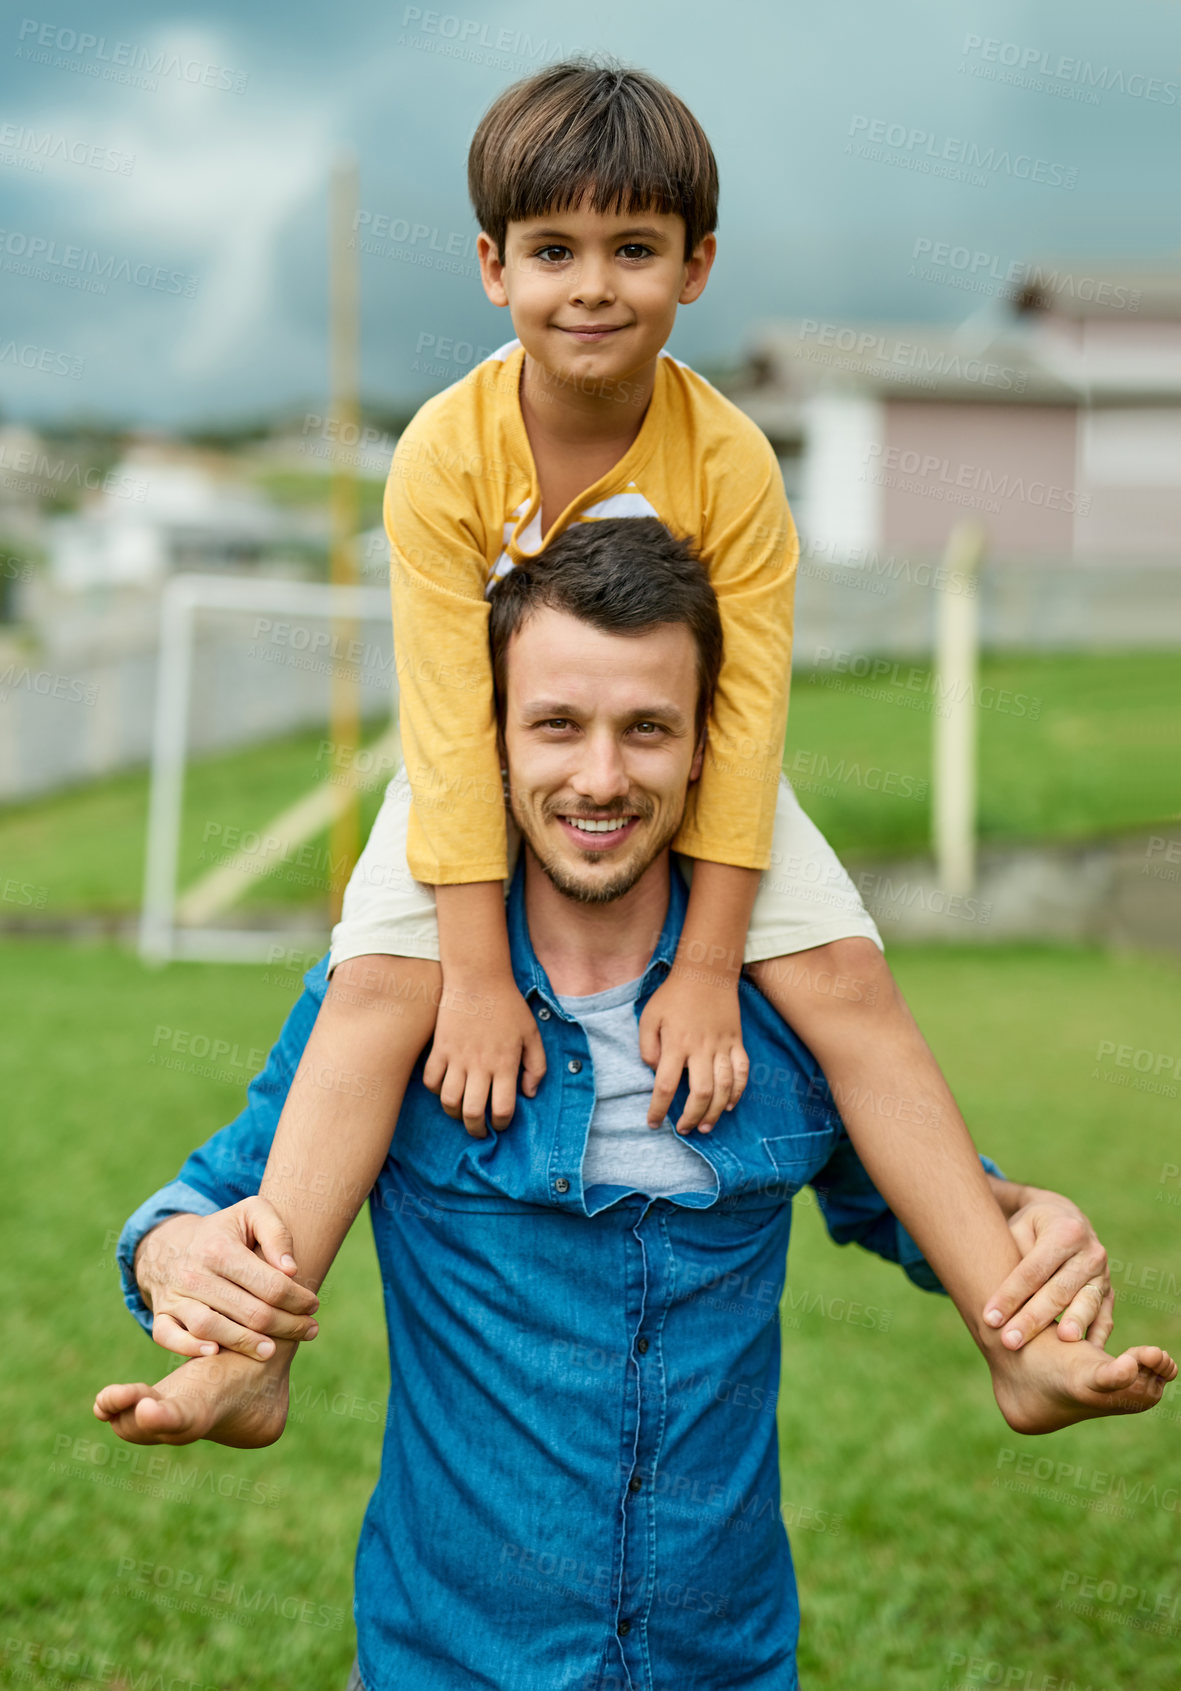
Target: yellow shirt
<point x="462" y="506"/>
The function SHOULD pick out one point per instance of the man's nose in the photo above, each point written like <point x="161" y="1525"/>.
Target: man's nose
<point x="601" y="776"/>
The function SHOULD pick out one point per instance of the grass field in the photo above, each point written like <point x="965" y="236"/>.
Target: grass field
<point x="917" y="1570"/>
<point x="1096" y="748"/>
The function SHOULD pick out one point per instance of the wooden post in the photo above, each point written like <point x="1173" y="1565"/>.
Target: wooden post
<point x="957" y="639"/>
<point x="345" y="835"/>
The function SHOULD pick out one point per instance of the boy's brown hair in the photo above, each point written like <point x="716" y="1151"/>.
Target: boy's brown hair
<point x="582" y="127"/>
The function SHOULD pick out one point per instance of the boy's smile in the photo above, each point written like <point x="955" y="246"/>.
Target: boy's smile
<point x="593" y="295"/>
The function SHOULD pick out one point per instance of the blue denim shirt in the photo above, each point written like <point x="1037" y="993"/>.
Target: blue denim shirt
<point x="579" y="1486"/>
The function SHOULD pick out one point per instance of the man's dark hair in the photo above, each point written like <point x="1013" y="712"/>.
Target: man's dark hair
<point x="623" y="575"/>
<point x="589" y="127"/>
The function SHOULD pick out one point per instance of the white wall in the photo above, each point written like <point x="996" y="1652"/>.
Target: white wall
<point x="839" y="510"/>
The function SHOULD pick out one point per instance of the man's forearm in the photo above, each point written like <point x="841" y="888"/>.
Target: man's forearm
<point x="904" y="1124"/>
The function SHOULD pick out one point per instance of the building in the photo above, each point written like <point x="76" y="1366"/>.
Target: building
<point x="1054" y="417"/>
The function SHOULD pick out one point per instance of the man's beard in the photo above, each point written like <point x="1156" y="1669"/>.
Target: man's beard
<point x="600" y="891"/>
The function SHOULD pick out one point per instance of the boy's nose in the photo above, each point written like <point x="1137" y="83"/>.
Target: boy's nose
<point x="591" y="286"/>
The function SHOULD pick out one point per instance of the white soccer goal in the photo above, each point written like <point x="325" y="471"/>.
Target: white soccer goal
<point x="162" y="938"/>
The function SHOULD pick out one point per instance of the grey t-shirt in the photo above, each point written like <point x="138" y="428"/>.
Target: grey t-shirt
<point x="621" y="1149"/>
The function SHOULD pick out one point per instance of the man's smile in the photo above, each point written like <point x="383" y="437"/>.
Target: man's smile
<point x="597" y="833"/>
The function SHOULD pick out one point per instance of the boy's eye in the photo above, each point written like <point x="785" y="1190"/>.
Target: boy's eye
<point x="635" y="249"/>
<point x="544" y="252"/>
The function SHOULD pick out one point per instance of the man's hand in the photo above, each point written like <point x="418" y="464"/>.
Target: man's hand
<point x="207" y="1288"/>
<point x="1063" y="1272"/>
<point x="692" y="1021"/>
<point x="228" y="1399"/>
<point x="474" y="1057"/>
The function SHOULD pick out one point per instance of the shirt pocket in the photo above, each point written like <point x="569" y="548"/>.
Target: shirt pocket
<point x="796" y="1157"/>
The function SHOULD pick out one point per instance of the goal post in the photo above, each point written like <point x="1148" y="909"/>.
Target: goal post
<point x="161" y="937"/>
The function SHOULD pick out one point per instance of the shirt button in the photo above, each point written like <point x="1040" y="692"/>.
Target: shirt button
<point x="642" y="1346"/>
<point x="561" y="1184"/>
<point x="634" y="1483"/>
<point x="575" y="1065"/>
<point x="624" y="1628"/>
<point x="543" y="1014"/>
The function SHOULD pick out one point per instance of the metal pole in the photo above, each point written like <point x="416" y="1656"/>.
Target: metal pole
<point x="345" y="835"/>
<point x="168" y="773"/>
<point x="957" y="640"/>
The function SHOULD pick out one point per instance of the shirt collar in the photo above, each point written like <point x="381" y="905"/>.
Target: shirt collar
<point x="528" y="972"/>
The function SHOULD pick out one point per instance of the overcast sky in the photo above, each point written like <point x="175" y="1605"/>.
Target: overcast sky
<point x="182" y="160"/>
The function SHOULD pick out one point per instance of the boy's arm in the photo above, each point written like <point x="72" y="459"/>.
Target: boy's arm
<point x="456" y="838"/>
<point x="1063" y="1268"/>
<point x="914" y="1144"/>
<point x="188" y="1252"/>
<point x="692" y="1020"/>
<point x="446" y="710"/>
<point x="750" y="545"/>
<point x="474" y="1060"/>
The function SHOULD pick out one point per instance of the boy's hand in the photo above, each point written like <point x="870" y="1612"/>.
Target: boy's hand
<point x="1063" y="1272"/>
<point x="207" y="1287"/>
<point x="692" y="1021"/>
<point x="476" y="1056"/>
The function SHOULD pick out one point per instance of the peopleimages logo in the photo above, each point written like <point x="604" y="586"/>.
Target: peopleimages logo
<point x="119" y="60"/>
<point x="29" y="253"/>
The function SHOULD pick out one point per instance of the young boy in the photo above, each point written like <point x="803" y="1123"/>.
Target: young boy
<point x="596" y="194"/>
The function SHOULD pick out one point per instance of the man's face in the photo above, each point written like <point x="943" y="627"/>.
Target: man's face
<point x="600" y="741"/>
<point x="594" y="295"/>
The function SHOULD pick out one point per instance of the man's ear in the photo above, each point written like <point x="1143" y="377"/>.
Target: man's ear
<point x="491" y="269"/>
<point x="699" y="754"/>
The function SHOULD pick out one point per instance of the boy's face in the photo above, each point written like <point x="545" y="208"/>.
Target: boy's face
<point x="594" y="295"/>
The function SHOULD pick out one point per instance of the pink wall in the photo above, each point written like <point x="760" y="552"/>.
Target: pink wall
<point x="1012" y="466"/>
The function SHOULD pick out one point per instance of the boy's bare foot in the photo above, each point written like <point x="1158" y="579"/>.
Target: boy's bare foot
<point x="227" y="1398"/>
<point x="1047" y="1385"/>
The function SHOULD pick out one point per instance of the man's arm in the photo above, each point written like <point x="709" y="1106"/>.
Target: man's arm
<point x="1063" y="1274"/>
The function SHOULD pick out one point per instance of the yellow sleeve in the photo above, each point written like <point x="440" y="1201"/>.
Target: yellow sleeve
<point x="446" y="711"/>
<point x="751" y="547"/>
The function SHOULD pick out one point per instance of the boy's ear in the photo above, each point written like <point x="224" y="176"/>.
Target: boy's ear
<point x="697" y="269"/>
<point x="491" y="269"/>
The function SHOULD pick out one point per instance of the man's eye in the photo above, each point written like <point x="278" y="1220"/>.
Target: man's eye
<point x="557" y="722"/>
<point x="646" y="728"/>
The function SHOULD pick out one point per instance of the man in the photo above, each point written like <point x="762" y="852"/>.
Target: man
<point x="566" y="1359"/>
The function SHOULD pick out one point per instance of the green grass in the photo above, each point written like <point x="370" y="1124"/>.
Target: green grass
<point x="1082" y="745"/>
<point x="84" y="849"/>
<point x="889" y="1436"/>
<point x="1097" y="749"/>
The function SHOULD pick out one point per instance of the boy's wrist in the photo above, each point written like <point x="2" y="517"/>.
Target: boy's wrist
<point x="473" y="934"/>
<point x="690" y="969"/>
